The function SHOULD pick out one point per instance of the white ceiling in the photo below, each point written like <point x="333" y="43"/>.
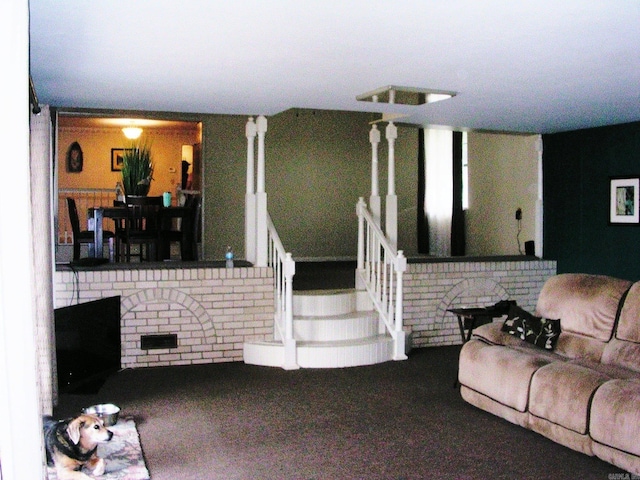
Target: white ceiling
<point x="524" y="66"/>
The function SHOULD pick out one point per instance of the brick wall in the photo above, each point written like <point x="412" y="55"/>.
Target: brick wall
<point x="431" y="288"/>
<point x="211" y="310"/>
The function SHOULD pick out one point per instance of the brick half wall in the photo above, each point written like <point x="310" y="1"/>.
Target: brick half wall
<point x="211" y="310"/>
<point x="431" y="288"/>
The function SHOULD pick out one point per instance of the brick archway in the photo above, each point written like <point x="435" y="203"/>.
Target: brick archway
<point x="471" y="292"/>
<point x="133" y="302"/>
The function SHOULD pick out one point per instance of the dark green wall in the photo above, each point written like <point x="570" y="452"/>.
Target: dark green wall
<point x="577" y="167"/>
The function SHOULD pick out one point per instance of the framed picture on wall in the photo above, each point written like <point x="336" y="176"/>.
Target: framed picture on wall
<point x="117" y="154"/>
<point x="624" y="200"/>
<point x="74" y="158"/>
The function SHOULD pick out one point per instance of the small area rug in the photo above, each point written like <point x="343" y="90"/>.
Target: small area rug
<point x="123" y="454"/>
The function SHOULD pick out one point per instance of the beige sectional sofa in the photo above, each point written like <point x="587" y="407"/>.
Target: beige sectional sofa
<point x="585" y="393"/>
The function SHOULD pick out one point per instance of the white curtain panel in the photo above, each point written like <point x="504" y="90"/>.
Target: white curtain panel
<point x="438" y="146"/>
<point x="41" y="224"/>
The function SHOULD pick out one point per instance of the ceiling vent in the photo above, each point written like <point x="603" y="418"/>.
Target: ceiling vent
<point x="405" y="95"/>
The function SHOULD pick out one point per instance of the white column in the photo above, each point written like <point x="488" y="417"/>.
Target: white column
<point x="262" y="234"/>
<point x="21" y="439"/>
<point x="391" y="205"/>
<point x="374" y="199"/>
<point x="250" y="196"/>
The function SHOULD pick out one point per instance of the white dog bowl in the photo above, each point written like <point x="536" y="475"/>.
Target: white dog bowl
<point x="108" y="412"/>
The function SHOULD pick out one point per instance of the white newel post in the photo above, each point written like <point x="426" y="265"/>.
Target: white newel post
<point x="374" y="199"/>
<point x="250" y="196"/>
<point x="262" y="234"/>
<point x="360" y="206"/>
<point x="399" y="336"/>
<point x="290" y="351"/>
<point x="391" y="206"/>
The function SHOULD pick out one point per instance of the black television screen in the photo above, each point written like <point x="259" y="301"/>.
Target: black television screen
<point x="87" y="344"/>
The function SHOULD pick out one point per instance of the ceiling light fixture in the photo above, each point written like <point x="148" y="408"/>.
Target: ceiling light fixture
<point x="405" y="95"/>
<point x="132" y="132"/>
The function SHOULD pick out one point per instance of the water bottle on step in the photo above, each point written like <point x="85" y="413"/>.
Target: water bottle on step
<point x="229" y="257"/>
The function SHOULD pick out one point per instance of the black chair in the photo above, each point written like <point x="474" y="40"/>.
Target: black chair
<point x="86" y="236"/>
<point x="187" y="234"/>
<point x="142" y="227"/>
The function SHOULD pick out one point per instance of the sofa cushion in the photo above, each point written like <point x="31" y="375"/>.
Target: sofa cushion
<point x="561" y="394"/>
<point x="587" y="304"/>
<point x="629" y="322"/>
<point x="622" y="353"/>
<point x="615" y="415"/>
<point x="611" y="370"/>
<point x="574" y="345"/>
<point x="500" y="373"/>
<point x="542" y="332"/>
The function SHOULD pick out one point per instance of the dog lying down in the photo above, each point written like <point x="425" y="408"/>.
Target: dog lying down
<point x="72" y="444"/>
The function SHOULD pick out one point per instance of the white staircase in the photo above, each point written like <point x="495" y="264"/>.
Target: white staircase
<point x="332" y="329"/>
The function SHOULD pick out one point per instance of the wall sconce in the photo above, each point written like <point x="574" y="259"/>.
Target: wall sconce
<point x="132" y="132"/>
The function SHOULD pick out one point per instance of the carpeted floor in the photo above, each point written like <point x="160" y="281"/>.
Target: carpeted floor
<point x="398" y="420"/>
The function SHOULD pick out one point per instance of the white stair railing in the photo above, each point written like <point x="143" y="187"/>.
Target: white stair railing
<point x="380" y="270"/>
<point x="284" y="268"/>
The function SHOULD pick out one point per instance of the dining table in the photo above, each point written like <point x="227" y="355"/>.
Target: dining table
<point x="120" y="212"/>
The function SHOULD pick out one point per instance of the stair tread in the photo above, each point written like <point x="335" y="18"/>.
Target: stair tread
<point x="357" y="341"/>
<point x="354" y="342"/>
<point x="318" y="292"/>
<point x="345" y="343"/>
<point x="358" y="315"/>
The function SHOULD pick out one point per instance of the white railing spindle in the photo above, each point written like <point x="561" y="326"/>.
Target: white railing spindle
<point x="381" y="267"/>
<point x="284" y="269"/>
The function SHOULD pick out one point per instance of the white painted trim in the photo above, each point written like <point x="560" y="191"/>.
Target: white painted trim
<point x="21" y="440"/>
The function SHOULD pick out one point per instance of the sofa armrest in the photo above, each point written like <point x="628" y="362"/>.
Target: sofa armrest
<point x="492" y="334"/>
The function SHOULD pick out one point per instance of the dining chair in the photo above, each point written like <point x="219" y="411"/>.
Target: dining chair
<point x="86" y="236"/>
<point x="187" y="232"/>
<point x="142" y="227"/>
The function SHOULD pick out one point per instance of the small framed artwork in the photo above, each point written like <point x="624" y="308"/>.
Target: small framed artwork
<point x="74" y="158"/>
<point x="624" y="200"/>
<point x="117" y="155"/>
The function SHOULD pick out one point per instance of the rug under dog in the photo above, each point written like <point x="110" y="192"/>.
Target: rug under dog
<point x="122" y="455"/>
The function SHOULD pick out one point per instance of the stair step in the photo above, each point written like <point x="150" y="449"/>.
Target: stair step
<point x="324" y="302"/>
<point x="369" y="351"/>
<point x="333" y="328"/>
<point x="266" y="354"/>
<point x="348" y="326"/>
<point x="338" y="354"/>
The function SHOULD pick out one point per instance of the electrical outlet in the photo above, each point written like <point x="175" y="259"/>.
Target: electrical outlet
<point x="519" y="214"/>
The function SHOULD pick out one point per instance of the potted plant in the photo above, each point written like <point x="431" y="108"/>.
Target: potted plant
<point x="137" y="169"/>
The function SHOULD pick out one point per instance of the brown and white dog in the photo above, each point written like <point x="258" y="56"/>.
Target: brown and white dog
<point x="72" y="444"/>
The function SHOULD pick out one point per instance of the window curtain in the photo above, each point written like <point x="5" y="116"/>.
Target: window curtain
<point x="438" y="201"/>
<point x="41" y="224"/>
<point x="422" y="222"/>
<point x="440" y="215"/>
<point x="458" y="238"/>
